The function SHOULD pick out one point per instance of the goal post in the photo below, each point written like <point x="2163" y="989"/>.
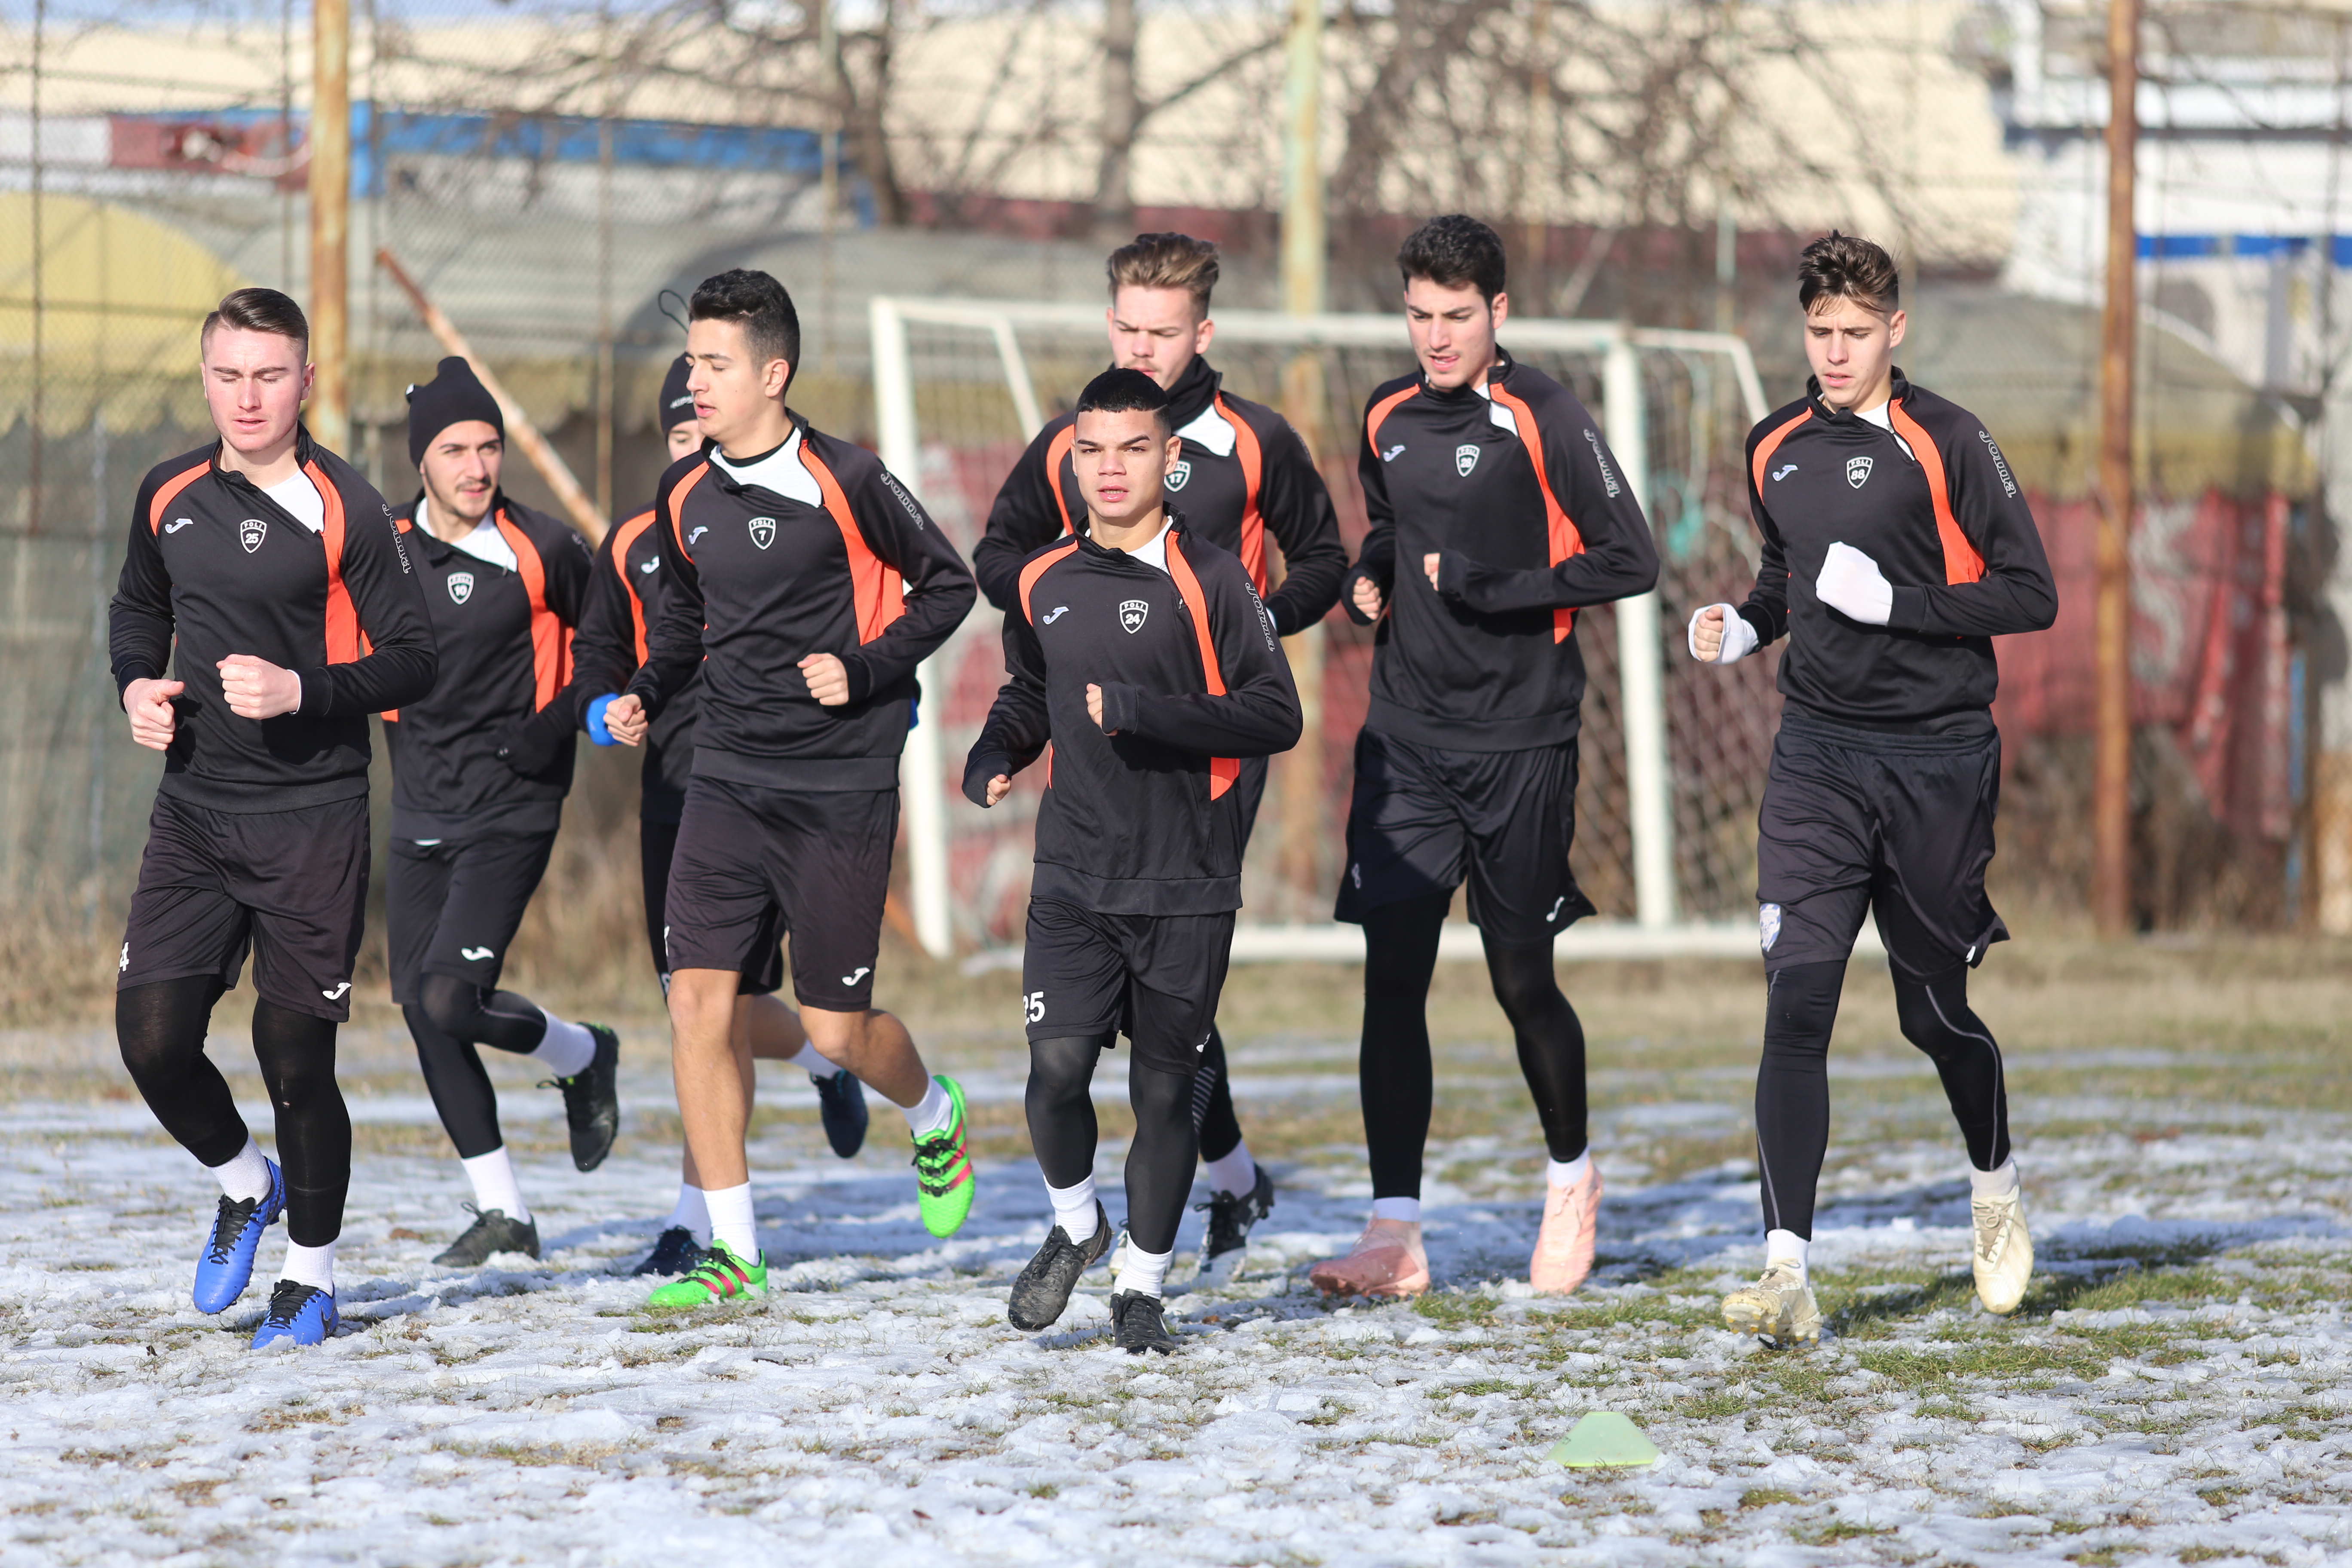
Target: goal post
<point x="952" y="410"/>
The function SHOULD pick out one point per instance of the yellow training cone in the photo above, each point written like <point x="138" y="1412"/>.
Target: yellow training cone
<point x="1604" y="1437"/>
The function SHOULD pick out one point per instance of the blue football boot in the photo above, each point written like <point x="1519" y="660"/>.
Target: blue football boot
<point x="302" y="1313"/>
<point x="226" y="1266"/>
<point x="841" y="1106"/>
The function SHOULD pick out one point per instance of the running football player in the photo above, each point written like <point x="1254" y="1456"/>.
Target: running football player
<point x="1144" y="658"/>
<point x="1497" y="513"/>
<point x="479" y="770"/>
<point x="806" y="586"/>
<point x="1897" y="545"/>
<point x="1244" y="473"/>
<point x="267" y="606"/>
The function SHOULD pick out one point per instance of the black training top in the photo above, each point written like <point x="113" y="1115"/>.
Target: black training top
<point x="1523" y="504"/>
<point x="1143" y="820"/>
<point x="1932" y="501"/>
<point x="1245" y="470"/>
<point x="841" y="560"/>
<point x="217" y="566"/>
<point x="625" y="598"/>
<point x="464" y="753"/>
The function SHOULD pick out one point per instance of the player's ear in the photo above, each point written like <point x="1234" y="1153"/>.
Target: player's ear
<point x="1500" y="310"/>
<point x="1171" y="453"/>
<point x="778" y="377"/>
<point x="1895" y="325"/>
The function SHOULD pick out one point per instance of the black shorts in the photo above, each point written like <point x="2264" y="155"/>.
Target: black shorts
<point x="753" y="865"/>
<point x="452" y="906"/>
<point x="762" y="976"/>
<point x="1901" y="824"/>
<point x="291" y="886"/>
<point x="1422" y="821"/>
<point x="1154" y="978"/>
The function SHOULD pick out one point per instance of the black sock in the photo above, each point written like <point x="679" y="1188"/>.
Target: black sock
<point x="499" y="1019"/>
<point x="1550" y="1040"/>
<point x="1793" y="1089"/>
<point x="460" y="1087"/>
<point x="1061" y="1111"/>
<point x="1212" y="1103"/>
<point x="297" y="1053"/>
<point x="160" y="1029"/>
<point x="1935" y="1017"/>
<point x="1159" y="1162"/>
<point x="1392" y="1067"/>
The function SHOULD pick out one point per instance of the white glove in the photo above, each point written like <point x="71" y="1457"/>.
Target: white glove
<point x="1852" y="584"/>
<point x="1738" y="636"/>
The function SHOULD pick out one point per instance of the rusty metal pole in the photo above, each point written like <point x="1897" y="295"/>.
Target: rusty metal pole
<point x="330" y="201"/>
<point x="2111" y="781"/>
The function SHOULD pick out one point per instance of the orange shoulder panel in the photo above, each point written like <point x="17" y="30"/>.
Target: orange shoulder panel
<point x="551" y="639"/>
<point x="1770" y="445"/>
<point x="678" y="499"/>
<point x="170" y="492"/>
<point x="1253" y="460"/>
<point x="1222" y="770"/>
<point x="1381" y="410"/>
<point x="1036" y="569"/>
<point x="1961" y="561"/>
<point x="1056" y="450"/>
<point x="1562" y="535"/>
<point x="879" y="592"/>
<point x="344" y="640"/>
<point x="627" y="536"/>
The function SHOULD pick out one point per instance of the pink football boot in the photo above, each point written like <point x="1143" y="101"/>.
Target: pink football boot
<point x="1564" y="1247"/>
<point x="1387" y="1261"/>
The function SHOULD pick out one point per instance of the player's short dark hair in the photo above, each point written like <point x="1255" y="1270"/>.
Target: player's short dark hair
<point x="1452" y="251"/>
<point x="1166" y="261"/>
<point x="1126" y="392"/>
<point x="1848" y="267"/>
<point x="259" y="310"/>
<point x="757" y="303"/>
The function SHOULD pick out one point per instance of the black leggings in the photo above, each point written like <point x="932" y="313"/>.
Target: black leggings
<point x="1793" y="1085"/>
<point x="161" y="1029"/>
<point x="450" y="1017"/>
<point x="1394" y="1070"/>
<point x="1062" y="1130"/>
<point x="1212" y="1103"/>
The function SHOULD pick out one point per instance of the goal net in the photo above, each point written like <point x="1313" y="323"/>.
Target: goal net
<point x="1673" y="756"/>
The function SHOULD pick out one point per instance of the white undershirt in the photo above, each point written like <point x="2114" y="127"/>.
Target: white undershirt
<point x="484" y="541"/>
<point x="1153" y="552"/>
<point x="1883" y="418"/>
<point x="781" y="472"/>
<point x="300" y="497"/>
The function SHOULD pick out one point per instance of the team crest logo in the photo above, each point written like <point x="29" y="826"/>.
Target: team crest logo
<point x="1465" y="458"/>
<point x="1180" y="475"/>
<point x="1857" y="471"/>
<point x="1768" y="916"/>
<point x="763" y="532"/>
<point x="251" y="532"/>
<point x="461" y="586"/>
<point x="1131" y="613"/>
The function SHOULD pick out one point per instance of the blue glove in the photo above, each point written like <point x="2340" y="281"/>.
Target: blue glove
<point x="597" y="731"/>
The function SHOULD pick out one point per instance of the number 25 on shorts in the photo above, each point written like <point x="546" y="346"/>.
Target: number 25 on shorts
<point x="1032" y="1007"/>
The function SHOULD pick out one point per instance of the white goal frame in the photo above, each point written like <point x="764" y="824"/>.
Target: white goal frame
<point x="1654" y="933"/>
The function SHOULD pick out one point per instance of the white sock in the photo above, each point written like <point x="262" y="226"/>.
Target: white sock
<point x="1995" y="1183"/>
<point x="1141" y="1270"/>
<point x="311" y="1266"/>
<point x="1406" y="1209"/>
<point x="1786" y="1247"/>
<point x="1235" y="1173"/>
<point x="494" y="1184"/>
<point x="1074" y="1208"/>
<point x="1567" y="1172"/>
<point x="813" y="1062"/>
<point x="931" y="1113"/>
<point x="245" y="1179"/>
<point x="567" y="1048"/>
<point x="731" y="1221"/>
<point x="690" y="1213"/>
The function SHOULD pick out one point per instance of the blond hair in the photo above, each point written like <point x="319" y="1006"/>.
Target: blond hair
<point x="1166" y="261"/>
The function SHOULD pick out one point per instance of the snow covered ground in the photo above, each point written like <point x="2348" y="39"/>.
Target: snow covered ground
<point x="2178" y="1388"/>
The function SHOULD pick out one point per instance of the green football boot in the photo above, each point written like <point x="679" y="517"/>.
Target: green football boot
<point x="720" y="1276"/>
<point x="943" y="1178"/>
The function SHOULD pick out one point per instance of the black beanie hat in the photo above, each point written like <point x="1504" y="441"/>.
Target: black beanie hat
<point x="454" y="396"/>
<point x="676" y="403"/>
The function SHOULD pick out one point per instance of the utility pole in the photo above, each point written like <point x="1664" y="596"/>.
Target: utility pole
<point x="1306" y="403"/>
<point x="2111" y="781"/>
<point x="330" y="200"/>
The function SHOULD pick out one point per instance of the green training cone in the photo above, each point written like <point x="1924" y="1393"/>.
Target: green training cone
<point x="1604" y="1437"/>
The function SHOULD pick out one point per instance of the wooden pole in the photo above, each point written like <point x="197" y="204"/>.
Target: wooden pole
<point x="520" y="431"/>
<point x="330" y="200"/>
<point x="2111" y="781"/>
